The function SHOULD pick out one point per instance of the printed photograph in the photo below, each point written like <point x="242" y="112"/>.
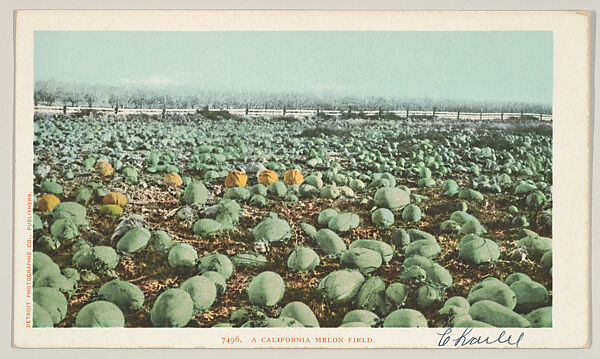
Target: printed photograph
<point x="262" y="179"/>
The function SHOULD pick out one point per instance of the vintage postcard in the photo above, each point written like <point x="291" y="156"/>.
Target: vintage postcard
<point x="302" y="179"/>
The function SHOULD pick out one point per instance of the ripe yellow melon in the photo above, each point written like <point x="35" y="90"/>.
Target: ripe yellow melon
<point x="267" y="177"/>
<point x="236" y="179"/>
<point x="292" y="177"/>
<point x="104" y="168"/>
<point x="172" y="179"/>
<point x="47" y="202"/>
<point x="115" y="198"/>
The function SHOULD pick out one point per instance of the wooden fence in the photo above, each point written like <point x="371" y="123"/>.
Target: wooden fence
<point x="306" y="113"/>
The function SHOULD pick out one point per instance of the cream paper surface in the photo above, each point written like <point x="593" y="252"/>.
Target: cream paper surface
<point x="571" y="317"/>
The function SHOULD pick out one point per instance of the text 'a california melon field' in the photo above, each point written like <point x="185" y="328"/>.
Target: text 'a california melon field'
<point x="294" y="198"/>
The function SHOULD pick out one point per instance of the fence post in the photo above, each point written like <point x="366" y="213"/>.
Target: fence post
<point x="540" y="115"/>
<point x="164" y="112"/>
<point x="284" y="110"/>
<point x="458" y="115"/>
<point x="380" y="112"/>
<point x="64" y="109"/>
<point x="480" y="114"/>
<point x="349" y="109"/>
<point x="433" y="114"/>
<point x="502" y="116"/>
<point x="521" y="114"/>
<point x="407" y="109"/>
<point x="117" y="109"/>
<point x="247" y="110"/>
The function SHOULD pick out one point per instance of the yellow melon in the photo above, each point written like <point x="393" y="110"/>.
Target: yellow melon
<point x="266" y="177"/>
<point x="236" y="179"/>
<point x="115" y="198"/>
<point x="47" y="202"/>
<point x="172" y="179"/>
<point x="292" y="177"/>
<point x="104" y="168"/>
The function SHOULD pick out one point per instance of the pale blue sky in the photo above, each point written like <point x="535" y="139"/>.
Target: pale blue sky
<point x="466" y="66"/>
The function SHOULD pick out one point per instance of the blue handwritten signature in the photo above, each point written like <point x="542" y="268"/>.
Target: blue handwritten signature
<point x="466" y="339"/>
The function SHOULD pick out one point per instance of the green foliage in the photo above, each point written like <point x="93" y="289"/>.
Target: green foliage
<point x="228" y="213"/>
<point x="51" y="187"/>
<point x="249" y="260"/>
<point x="470" y="194"/>
<point x="435" y="273"/>
<point x="237" y="193"/>
<point x="536" y="200"/>
<point x="64" y="229"/>
<point x="84" y="195"/>
<point x="258" y="200"/>
<point x="450" y="187"/>
<point x="96" y="258"/>
<point x="49" y="277"/>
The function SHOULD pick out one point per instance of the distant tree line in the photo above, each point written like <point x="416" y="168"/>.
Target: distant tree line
<point x="54" y="93"/>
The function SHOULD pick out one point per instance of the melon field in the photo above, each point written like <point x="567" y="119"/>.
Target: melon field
<point x="214" y="220"/>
